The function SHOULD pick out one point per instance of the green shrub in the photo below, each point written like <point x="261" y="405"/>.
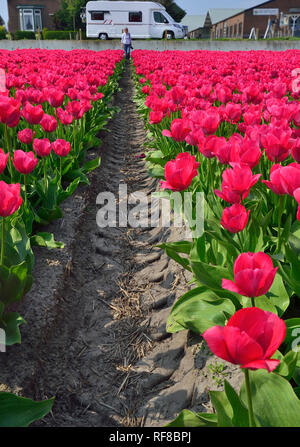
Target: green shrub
<point x="2" y="32"/>
<point x="59" y="35"/>
<point x="18" y="35"/>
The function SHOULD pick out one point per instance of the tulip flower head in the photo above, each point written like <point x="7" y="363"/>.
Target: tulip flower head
<point x="180" y="172"/>
<point x="24" y="162"/>
<point x="10" y="199"/>
<point x="250" y="339"/>
<point x="235" y="218"/>
<point x="253" y="275"/>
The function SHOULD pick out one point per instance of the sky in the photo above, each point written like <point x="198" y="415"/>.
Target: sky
<point x="196" y="7"/>
<point x="199" y="7"/>
<point x="3" y="10"/>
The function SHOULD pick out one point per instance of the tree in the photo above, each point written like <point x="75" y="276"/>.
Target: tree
<point x="68" y="16"/>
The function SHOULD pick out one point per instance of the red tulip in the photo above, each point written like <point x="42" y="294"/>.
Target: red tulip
<point x="253" y="275"/>
<point x="42" y="147"/>
<point x="3" y="160"/>
<point x="235" y="218"/>
<point x="55" y="97"/>
<point x="296" y="150"/>
<point x="48" y="123"/>
<point x="26" y="136"/>
<point x="64" y="117"/>
<point x="9" y="111"/>
<point x="275" y="183"/>
<point x="277" y="143"/>
<point x="24" y="162"/>
<point x="146" y="89"/>
<point x="290" y="178"/>
<point x="237" y="183"/>
<point x="180" y="128"/>
<point x="180" y="172"/>
<point x="250" y="338"/>
<point x="61" y="147"/>
<point x="32" y="114"/>
<point x="10" y="199"/>
<point x="155" y="117"/>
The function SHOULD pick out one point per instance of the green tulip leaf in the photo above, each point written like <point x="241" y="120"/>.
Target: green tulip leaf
<point x="275" y="404"/>
<point x="18" y="411"/>
<point x="188" y="418"/>
<point x="198" y="310"/>
<point x="45" y="240"/>
<point x="10" y="322"/>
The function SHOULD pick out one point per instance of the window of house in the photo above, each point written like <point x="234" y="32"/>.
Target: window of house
<point x="159" y="17"/>
<point x="97" y="15"/>
<point x="240" y="29"/>
<point x="38" y="19"/>
<point x="135" y="16"/>
<point x="235" y="30"/>
<point x="30" y="19"/>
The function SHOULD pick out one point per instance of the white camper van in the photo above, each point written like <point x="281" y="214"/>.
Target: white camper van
<point x="107" y="19"/>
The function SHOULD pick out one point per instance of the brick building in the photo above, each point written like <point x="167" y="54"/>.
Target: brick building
<point x="27" y="15"/>
<point x="284" y="14"/>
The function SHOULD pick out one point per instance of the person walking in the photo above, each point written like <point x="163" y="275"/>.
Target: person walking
<point x="126" y="43"/>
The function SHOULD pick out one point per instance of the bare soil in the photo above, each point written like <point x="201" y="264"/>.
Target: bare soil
<point x="96" y="316"/>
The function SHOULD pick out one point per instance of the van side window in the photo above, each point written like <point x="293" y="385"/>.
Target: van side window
<point x="97" y="15"/>
<point x="136" y="16"/>
<point x="159" y="17"/>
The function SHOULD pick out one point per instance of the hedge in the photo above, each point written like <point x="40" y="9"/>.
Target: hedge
<point x="2" y="32"/>
<point x="59" y="35"/>
<point x="18" y="35"/>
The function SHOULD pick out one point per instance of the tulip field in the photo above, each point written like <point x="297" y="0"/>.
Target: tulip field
<point x="222" y="126"/>
<point x="227" y="125"/>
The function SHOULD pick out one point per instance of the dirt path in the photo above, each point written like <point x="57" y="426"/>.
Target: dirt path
<point x="96" y="335"/>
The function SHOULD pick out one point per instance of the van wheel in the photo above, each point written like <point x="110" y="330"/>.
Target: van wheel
<point x="103" y="36"/>
<point x="169" y="35"/>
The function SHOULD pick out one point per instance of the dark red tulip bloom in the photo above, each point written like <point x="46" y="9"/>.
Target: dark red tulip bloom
<point x="254" y="274"/>
<point x="61" y="147"/>
<point x="180" y="128"/>
<point x="180" y="172"/>
<point x="32" y="114"/>
<point x="250" y="338"/>
<point x="26" y="136"/>
<point x="155" y="117"/>
<point x="275" y="183"/>
<point x="237" y="183"/>
<point x="55" y="97"/>
<point x="42" y="147"/>
<point x="235" y="218"/>
<point x="3" y="160"/>
<point x="48" y="123"/>
<point x="24" y="162"/>
<point x="10" y="199"/>
<point x="9" y="111"/>
<point x="296" y="150"/>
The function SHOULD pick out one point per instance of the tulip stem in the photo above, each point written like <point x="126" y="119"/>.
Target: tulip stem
<point x="25" y="188"/>
<point x="240" y="241"/>
<point x="281" y="199"/>
<point x="252" y="301"/>
<point x="2" y="240"/>
<point x="45" y="174"/>
<point x="249" y="398"/>
<point x="9" y="164"/>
